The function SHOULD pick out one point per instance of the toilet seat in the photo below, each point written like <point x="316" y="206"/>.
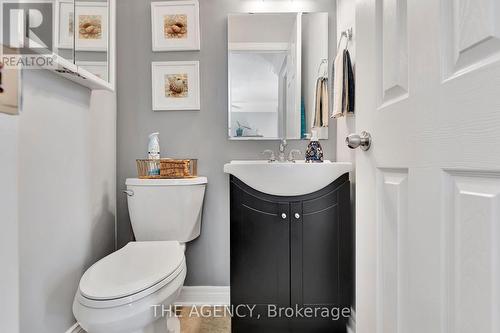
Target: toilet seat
<point x="131" y="273"/>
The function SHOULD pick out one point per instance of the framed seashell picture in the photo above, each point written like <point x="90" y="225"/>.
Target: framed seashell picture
<point x="175" y="25"/>
<point x="176" y="85"/>
<point x="91" y="22"/>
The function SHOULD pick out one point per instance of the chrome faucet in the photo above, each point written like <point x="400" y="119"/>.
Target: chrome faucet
<point x="269" y="152"/>
<point x="281" y="152"/>
<point x="291" y="155"/>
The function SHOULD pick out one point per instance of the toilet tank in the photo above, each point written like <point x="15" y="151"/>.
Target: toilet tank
<point x="166" y="209"/>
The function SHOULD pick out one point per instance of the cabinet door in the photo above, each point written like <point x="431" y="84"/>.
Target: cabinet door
<point x="260" y="259"/>
<point x="318" y="236"/>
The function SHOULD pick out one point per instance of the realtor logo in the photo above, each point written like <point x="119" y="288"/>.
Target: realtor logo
<point x="27" y="27"/>
<point x="27" y="34"/>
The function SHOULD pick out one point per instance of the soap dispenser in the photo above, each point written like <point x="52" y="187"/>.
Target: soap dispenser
<point x="314" y="152"/>
<point x="154" y="154"/>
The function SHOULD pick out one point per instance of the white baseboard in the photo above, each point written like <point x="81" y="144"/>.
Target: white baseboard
<point x="75" y="329"/>
<point x="203" y="296"/>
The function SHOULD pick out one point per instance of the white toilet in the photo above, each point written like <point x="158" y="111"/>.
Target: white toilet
<point x="119" y="293"/>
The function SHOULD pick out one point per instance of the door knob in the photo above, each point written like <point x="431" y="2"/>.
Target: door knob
<point x="354" y="141"/>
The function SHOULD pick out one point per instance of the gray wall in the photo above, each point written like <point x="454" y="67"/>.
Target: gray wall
<point x="66" y="194"/>
<point x="196" y="134"/>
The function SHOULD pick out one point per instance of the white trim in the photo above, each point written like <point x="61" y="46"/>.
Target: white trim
<point x="75" y="329"/>
<point x="202" y="295"/>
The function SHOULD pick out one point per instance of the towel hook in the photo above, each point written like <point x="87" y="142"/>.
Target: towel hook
<point x="347" y="34"/>
<point x="325" y="71"/>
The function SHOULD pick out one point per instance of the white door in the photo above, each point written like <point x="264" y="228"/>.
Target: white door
<point x="428" y="190"/>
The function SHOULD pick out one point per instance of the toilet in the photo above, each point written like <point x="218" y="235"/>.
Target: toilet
<point x="121" y="292"/>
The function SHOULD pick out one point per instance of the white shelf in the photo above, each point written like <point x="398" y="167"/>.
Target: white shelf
<point x="70" y="71"/>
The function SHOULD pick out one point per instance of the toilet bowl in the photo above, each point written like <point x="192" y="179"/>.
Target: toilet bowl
<point x="121" y="292"/>
<point x="131" y="290"/>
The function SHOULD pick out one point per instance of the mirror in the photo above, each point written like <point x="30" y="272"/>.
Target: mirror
<point x="274" y="62"/>
<point x="82" y="34"/>
<point x="91" y="36"/>
<point x="64" y="29"/>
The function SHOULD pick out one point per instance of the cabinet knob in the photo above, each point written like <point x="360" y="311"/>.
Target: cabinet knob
<point x="297" y="216"/>
<point x="283" y="216"/>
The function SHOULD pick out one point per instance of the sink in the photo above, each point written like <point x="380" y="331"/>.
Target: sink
<point x="287" y="178"/>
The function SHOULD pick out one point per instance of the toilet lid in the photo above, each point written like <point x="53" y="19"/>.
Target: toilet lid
<point x="132" y="269"/>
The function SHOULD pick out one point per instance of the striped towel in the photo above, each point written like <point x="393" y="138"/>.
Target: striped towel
<point x="321" y="106"/>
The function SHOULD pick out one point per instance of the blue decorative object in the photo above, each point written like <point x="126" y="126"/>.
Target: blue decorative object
<point x="241" y="128"/>
<point x="302" y="119"/>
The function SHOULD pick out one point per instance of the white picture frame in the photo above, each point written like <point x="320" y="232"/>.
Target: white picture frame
<point x="98" y="68"/>
<point x="175" y="85"/>
<point x="183" y="15"/>
<point x="64" y="17"/>
<point x="83" y="11"/>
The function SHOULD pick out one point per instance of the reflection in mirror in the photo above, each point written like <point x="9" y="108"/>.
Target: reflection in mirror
<point x="256" y="78"/>
<point x="91" y="36"/>
<point x="274" y="63"/>
<point x="64" y="28"/>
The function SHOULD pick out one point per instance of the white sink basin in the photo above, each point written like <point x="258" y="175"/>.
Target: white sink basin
<point x="287" y="179"/>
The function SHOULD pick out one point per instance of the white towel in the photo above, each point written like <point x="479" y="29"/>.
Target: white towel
<point x="338" y="86"/>
<point x="321" y="106"/>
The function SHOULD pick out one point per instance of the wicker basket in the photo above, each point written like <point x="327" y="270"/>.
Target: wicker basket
<point x="167" y="168"/>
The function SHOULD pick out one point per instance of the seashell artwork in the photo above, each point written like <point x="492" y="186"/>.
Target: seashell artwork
<point x="175" y="26"/>
<point x="89" y="26"/>
<point x="176" y="85"/>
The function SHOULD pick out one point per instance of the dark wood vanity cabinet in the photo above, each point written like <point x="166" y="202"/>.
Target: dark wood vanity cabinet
<point x="291" y="252"/>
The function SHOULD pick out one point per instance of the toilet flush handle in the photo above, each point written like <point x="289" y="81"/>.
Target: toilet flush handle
<point x="128" y="192"/>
